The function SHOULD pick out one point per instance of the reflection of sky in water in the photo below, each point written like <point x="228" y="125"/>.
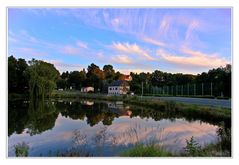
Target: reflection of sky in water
<point x="123" y="132"/>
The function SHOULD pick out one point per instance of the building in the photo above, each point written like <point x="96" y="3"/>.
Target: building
<point x="87" y="89"/>
<point x="118" y="87"/>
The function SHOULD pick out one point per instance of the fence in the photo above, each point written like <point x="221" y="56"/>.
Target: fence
<point x="200" y="89"/>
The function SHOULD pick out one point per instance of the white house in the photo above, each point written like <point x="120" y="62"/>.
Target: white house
<point x="87" y="89"/>
<point x="119" y="87"/>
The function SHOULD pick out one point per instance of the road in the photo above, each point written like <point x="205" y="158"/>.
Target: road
<point x="198" y="101"/>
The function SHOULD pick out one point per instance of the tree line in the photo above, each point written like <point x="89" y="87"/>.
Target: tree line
<point x="38" y="78"/>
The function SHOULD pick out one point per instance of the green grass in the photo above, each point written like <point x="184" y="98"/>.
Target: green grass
<point x="140" y="150"/>
<point x="218" y="112"/>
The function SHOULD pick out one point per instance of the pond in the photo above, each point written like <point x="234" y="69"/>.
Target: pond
<point x="99" y="128"/>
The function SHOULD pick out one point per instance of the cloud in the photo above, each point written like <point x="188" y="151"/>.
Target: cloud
<point x="194" y="58"/>
<point x="121" y="59"/>
<point x="131" y="49"/>
<point x="154" y="42"/>
<point x="82" y="44"/>
<point x="193" y="25"/>
<point x="165" y="24"/>
<point x="62" y="66"/>
<point x="71" y="50"/>
<point x="25" y="35"/>
<point x="30" y="52"/>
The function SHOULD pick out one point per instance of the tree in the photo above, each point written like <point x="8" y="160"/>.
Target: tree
<point x="109" y="72"/>
<point x="61" y="83"/>
<point x="77" y="79"/>
<point x="65" y="75"/>
<point x="17" y="79"/>
<point x="42" y="78"/>
<point x="95" y="76"/>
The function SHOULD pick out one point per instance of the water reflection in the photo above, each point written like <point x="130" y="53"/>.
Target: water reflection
<point x="100" y="128"/>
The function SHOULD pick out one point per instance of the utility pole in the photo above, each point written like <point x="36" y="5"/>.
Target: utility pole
<point x="172" y="90"/>
<point x="142" y="89"/>
<point x="202" y="89"/>
<point x="211" y="88"/>
<point x="182" y="90"/>
<point x="194" y="89"/>
<point x="188" y="89"/>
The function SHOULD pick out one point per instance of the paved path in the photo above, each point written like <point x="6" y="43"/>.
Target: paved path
<point x="198" y="101"/>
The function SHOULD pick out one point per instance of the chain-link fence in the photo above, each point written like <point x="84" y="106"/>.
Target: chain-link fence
<point x="197" y="89"/>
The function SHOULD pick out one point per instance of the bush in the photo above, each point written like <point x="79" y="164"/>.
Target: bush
<point x="21" y="149"/>
<point x="193" y="148"/>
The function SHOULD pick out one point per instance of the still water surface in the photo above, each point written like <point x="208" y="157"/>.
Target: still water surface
<point x="96" y="128"/>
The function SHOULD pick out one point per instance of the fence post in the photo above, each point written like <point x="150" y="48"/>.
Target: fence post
<point x="202" y="89"/>
<point x="194" y="89"/>
<point x="172" y="90"/>
<point x="188" y="89"/>
<point x="182" y="90"/>
<point x="211" y="88"/>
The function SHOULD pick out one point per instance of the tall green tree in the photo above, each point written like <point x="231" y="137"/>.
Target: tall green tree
<point x="42" y="78"/>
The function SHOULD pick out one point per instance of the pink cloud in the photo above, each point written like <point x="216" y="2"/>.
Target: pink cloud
<point x="131" y="49"/>
<point x="121" y="59"/>
<point x="81" y="44"/>
<point x="71" y="50"/>
<point x="31" y="52"/>
<point x="62" y="66"/>
<point x="154" y="42"/>
<point x="194" y="58"/>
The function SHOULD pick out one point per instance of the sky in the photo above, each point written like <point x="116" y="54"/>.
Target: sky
<point x="176" y="40"/>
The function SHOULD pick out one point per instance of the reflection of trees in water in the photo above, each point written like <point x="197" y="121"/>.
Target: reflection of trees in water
<point x="17" y="116"/>
<point x="173" y="114"/>
<point x="93" y="113"/>
<point x="43" y="116"/>
<point x="37" y="116"/>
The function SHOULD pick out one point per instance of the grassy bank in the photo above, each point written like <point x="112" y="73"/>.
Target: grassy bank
<point x="217" y="112"/>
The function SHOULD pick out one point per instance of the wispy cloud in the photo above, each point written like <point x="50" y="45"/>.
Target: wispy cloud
<point x="71" y="50"/>
<point x="193" y="25"/>
<point x="132" y="49"/>
<point x="193" y="58"/>
<point x="185" y="38"/>
<point x="82" y="44"/>
<point x="63" y="66"/>
<point x="154" y="42"/>
<point x="121" y="59"/>
<point x="31" y="52"/>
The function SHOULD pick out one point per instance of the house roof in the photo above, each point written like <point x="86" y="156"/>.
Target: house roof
<point x="119" y="83"/>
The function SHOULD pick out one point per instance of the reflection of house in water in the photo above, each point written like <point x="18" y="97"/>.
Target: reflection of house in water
<point x="119" y="108"/>
<point x="84" y="102"/>
<point x="87" y="89"/>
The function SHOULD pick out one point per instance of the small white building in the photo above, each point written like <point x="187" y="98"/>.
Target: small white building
<point x="87" y="89"/>
<point x="119" y="87"/>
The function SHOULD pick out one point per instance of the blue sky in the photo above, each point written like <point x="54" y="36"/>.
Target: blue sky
<point x="136" y="39"/>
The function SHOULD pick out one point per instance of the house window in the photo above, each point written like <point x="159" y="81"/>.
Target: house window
<point x="110" y="89"/>
<point x="116" y="88"/>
